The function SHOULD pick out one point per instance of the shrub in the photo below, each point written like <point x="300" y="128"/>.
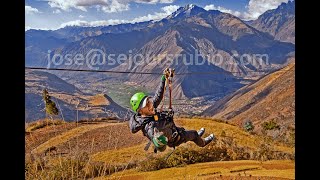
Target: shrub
<point x="153" y="164"/>
<point x="184" y="156"/>
<point x="223" y="150"/>
<point x="271" y="125"/>
<point x="248" y="126"/>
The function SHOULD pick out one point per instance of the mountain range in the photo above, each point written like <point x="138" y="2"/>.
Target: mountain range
<point x="191" y="29"/>
<point x="187" y="31"/>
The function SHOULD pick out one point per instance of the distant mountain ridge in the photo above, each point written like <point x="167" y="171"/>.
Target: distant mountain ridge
<point x="279" y="22"/>
<point x="39" y="42"/>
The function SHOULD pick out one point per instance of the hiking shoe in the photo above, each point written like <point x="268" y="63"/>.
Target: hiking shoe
<point x="201" y="132"/>
<point x="208" y="139"/>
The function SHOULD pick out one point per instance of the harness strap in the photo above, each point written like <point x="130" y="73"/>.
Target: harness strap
<point x="170" y="87"/>
<point x="168" y="83"/>
<point x="163" y="98"/>
<point x="174" y="148"/>
<point x="175" y="136"/>
<point x="147" y="146"/>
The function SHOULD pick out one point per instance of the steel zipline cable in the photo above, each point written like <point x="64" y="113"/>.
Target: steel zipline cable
<point x="151" y="73"/>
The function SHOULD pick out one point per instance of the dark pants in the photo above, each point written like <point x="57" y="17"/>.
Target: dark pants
<point x="185" y="136"/>
<point x="188" y="135"/>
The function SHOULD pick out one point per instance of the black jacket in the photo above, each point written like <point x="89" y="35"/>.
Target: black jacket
<point x="146" y="124"/>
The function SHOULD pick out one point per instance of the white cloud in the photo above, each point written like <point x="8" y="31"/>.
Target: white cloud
<point x="167" y="10"/>
<point x="170" y="9"/>
<point x="154" y="1"/>
<point x="31" y="10"/>
<point x="166" y="1"/>
<point x="93" y="23"/>
<point x="257" y="7"/>
<point x="26" y="28"/>
<point x="254" y="8"/>
<point x="57" y="11"/>
<point x="80" y="16"/>
<point x="108" y="6"/>
<point x="147" y="1"/>
<point x="115" y="6"/>
<point x="65" y="5"/>
<point x="222" y="9"/>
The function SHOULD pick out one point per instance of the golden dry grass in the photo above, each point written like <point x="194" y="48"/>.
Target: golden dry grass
<point x="120" y="156"/>
<point x="39" y="136"/>
<point x="125" y="155"/>
<point x="137" y="152"/>
<point x="64" y="137"/>
<point x="42" y="124"/>
<point x="285" y="169"/>
<point x="241" y="137"/>
<point x="102" y="139"/>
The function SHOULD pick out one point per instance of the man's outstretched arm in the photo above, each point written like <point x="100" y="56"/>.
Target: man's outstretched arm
<point x="159" y="93"/>
<point x="134" y="125"/>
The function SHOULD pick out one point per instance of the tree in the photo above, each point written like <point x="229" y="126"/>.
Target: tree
<point x="50" y="106"/>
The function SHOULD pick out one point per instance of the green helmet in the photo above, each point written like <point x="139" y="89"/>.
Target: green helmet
<point x="136" y="100"/>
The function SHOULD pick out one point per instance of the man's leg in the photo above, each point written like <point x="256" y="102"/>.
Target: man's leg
<point x="193" y="135"/>
<point x="201" y="132"/>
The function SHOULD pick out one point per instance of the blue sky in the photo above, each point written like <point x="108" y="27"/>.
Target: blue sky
<point x="54" y="14"/>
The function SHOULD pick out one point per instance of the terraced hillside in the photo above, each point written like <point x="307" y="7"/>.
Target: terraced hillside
<point x="108" y="150"/>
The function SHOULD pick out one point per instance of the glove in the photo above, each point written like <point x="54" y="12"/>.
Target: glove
<point x="160" y="140"/>
<point x="166" y="74"/>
